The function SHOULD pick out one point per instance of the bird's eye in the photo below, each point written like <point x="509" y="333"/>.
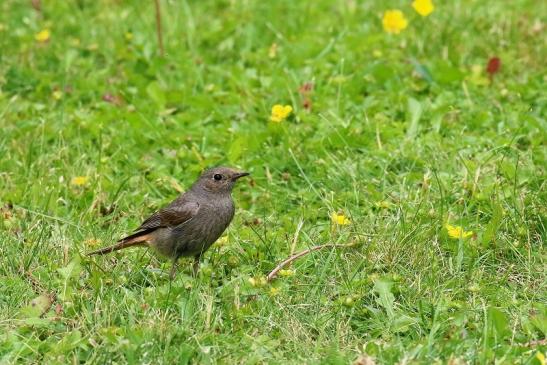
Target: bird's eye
<point x="217" y="177"/>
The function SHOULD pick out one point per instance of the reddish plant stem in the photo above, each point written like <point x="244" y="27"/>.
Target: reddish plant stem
<point x="37" y="5"/>
<point x="292" y="258"/>
<point x="158" y="27"/>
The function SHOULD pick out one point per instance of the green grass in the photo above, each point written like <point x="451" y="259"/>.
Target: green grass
<point x="405" y="134"/>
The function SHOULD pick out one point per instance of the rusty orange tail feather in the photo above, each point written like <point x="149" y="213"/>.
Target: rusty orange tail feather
<point x="137" y="239"/>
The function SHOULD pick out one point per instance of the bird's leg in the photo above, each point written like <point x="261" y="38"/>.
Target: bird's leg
<point x="195" y="265"/>
<point x="174" y="267"/>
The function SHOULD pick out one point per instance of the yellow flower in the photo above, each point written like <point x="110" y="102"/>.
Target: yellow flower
<point x="258" y="281"/>
<point x="272" y="52"/>
<point x="280" y="112"/>
<point x="477" y="76"/>
<point x="423" y="7"/>
<point x="43" y="36"/>
<point x="79" y="180"/>
<point x="57" y="95"/>
<point x="286" y="273"/>
<point x="457" y="232"/>
<point x="540" y="357"/>
<point x="274" y="291"/>
<point x="222" y="241"/>
<point x="394" y="21"/>
<point x="340" y="219"/>
<point x="128" y="36"/>
<point x="92" y="242"/>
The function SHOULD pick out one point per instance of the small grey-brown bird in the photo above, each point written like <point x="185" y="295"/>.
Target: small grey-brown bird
<point x="191" y="223"/>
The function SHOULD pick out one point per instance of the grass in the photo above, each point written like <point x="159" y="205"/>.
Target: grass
<point x="405" y="134"/>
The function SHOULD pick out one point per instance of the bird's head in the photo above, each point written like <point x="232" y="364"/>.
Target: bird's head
<point x="219" y="179"/>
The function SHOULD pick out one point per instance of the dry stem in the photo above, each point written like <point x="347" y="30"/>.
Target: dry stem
<point x="158" y="27"/>
<point x="292" y="258"/>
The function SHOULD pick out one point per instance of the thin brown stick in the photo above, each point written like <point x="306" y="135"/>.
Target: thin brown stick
<point x="291" y="258"/>
<point x="535" y="343"/>
<point x="37" y="5"/>
<point x="158" y="27"/>
<point x="36" y="285"/>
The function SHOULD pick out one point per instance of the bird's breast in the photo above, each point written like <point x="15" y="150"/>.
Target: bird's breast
<point x="200" y="232"/>
<point x="213" y="219"/>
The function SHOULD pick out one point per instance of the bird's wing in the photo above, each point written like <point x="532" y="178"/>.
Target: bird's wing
<point x="170" y="216"/>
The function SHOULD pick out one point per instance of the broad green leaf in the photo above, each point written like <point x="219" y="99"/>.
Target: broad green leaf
<point x="70" y="56"/>
<point x="187" y="309"/>
<point x="72" y="270"/>
<point x="68" y="273"/>
<point x="385" y="297"/>
<point x="445" y="73"/>
<point x="381" y="72"/>
<point x="498" y="322"/>
<point x="37" y="307"/>
<point x="415" y="112"/>
<point x="539" y="320"/>
<point x="493" y="226"/>
<point x="155" y="93"/>
<point x="69" y="341"/>
<point x="237" y="148"/>
<point x="402" y="323"/>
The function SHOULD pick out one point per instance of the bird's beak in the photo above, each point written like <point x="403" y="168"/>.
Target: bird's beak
<point x="238" y="175"/>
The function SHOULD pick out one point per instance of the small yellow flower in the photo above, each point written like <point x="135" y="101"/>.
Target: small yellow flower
<point x="274" y="291"/>
<point x="541" y="357"/>
<point x="222" y="241"/>
<point x="258" y="282"/>
<point x="286" y="273"/>
<point x="272" y="52"/>
<point x="394" y="21"/>
<point x="477" y="76"/>
<point x="340" y="219"/>
<point x="474" y="288"/>
<point x="457" y="232"/>
<point x="128" y="36"/>
<point x="43" y="36"/>
<point x="476" y="70"/>
<point x="57" y="95"/>
<point x="92" y="242"/>
<point x="79" y="180"/>
<point x="348" y="301"/>
<point x="423" y="7"/>
<point x="280" y="112"/>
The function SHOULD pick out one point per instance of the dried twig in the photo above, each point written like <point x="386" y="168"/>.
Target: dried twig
<point x="37" y="5"/>
<point x="158" y="27"/>
<point x="535" y="343"/>
<point x="291" y="258"/>
<point x="36" y="285"/>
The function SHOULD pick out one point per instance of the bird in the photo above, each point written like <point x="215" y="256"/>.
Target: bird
<point x="190" y="224"/>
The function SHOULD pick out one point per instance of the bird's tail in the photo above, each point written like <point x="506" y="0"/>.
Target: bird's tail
<point x="137" y="239"/>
